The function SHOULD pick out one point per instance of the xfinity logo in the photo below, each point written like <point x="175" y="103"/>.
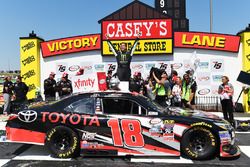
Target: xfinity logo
<point x="27" y="116"/>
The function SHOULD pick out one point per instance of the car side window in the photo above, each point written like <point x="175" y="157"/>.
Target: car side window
<point x="122" y="107"/>
<point x="82" y="106"/>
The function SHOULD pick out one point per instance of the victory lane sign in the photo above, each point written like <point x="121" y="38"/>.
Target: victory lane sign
<point x="156" y="35"/>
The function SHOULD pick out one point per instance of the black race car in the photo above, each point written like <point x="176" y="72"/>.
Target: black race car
<point x="119" y="123"/>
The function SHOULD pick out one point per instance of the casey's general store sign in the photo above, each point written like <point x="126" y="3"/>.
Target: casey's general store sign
<point x="156" y="35"/>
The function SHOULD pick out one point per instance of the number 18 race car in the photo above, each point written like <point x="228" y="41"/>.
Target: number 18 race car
<point x="121" y="124"/>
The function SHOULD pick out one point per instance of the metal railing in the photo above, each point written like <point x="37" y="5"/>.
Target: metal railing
<point x="208" y="103"/>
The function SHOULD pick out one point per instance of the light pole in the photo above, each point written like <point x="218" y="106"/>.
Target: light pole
<point x="211" y="16"/>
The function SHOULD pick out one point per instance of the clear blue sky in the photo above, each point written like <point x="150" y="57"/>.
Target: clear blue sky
<point x="52" y="19"/>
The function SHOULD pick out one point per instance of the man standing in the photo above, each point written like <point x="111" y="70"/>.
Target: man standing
<point x="20" y="91"/>
<point x="64" y="86"/>
<point x="7" y="93"/>
<point x="50" y="87"/>
<point x="189" y="87"/>
<point x="123" y="58"/>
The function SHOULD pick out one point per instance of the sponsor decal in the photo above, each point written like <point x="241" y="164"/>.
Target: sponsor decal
<point x="87" y="67"/>
<point x="217" y="65"/>
<point x="224" y="136"/>
<point x="27" y="116"/>
<point x="111" y="67"/>
<point x="102" y="81"/>
<point x="204" y="65"/>
<point x="61" y="68"/>
<point x="91" y="145"/>
<point x="155" y="121"/>
<point x="203" y="78"/>
<point x="209" y="41"/>
<point x="71" y="45"/>
<point x="177" y="66"/>
<point x="88" y="136"/>
<point x="84" y="83"/>
<point x="74" y="68"/>
<point x="204" y="91"/>
<point x="73" y="119"/>
<point x="152" y="113"/>
<point x="137" y="66"/>
<point x="201" y="124"/>
<point x="163" y="66"/>
<point x="217" y="78"/>
<point x="99" y="67"/>
<point x="168" y="130"/>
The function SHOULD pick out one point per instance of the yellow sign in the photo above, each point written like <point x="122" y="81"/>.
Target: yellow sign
<point x="149" y="46"/>
<point x="245" y="39"/>
<point x="30" y="64"/>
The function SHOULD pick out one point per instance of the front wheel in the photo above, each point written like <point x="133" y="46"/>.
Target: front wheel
<point x="199" y="143"/>
<point x="62" y="142"/>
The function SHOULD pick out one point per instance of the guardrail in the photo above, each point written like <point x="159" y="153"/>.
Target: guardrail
<point x="208" y="103"/>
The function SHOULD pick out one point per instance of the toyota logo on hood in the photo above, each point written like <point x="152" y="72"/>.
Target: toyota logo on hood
<point x="27" y="116"/>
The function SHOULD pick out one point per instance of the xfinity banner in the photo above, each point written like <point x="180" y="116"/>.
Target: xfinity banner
<point x="156" y="35"/>
<point x="83" y="83"/>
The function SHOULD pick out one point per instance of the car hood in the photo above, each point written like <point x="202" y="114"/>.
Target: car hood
<point x="194" y="114"/>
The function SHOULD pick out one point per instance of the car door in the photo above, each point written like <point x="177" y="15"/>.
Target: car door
<point x="135" y="132"/>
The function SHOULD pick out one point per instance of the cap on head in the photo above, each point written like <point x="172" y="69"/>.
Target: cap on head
<point x="52" y="73"/>
<point x="65" y="75"/>
<point x="19" y="77"/>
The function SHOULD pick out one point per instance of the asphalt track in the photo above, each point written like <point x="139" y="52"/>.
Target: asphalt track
<point x="24" y="155"/>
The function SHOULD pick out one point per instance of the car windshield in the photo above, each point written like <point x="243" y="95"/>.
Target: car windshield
<point x="153" y="104"/>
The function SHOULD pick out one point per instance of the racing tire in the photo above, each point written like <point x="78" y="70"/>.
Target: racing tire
<point x="63" y="142"/>
<point x="199" y="143"/>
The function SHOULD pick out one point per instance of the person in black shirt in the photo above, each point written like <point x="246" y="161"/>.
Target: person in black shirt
<point x="108" y="78"/>
<point x="64" y="86"/>
<point x="20" y="91"/>
<point x="50" y="87"/>
<point x="7" y="93"/>
<point x="123" y="58"/>
<point x="136" y="83"/>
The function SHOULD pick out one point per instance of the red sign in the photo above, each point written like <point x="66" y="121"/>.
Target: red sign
<point x="71" y="45"/>
<point x="210" y="41"/>
<point x="128" y="29"/>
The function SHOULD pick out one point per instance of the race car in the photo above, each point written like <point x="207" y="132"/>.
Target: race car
<point x="121" y="124"/>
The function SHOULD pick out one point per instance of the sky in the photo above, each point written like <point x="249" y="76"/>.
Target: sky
<point x="52" y="19"/>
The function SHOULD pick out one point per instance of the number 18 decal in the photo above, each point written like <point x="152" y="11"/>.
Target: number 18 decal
<point x="131" y="132"/>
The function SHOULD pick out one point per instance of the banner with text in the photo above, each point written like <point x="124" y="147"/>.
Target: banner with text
<point x="71" y="45"/>
<point x="156" y="35"/>
<point x="209" y="41"/>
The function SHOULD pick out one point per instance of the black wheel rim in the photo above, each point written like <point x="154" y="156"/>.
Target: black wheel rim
<point x="199" y="142"/>
<point x="62" y="141"/>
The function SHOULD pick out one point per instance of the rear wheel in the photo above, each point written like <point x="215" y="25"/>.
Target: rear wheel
<point x="63" y="142"/>
<point x="199" y="143"/>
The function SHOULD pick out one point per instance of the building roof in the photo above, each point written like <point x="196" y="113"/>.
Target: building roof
<point x="135" y="10"/>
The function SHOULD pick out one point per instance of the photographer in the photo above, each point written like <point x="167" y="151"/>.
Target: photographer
<point x="162" y="88"/>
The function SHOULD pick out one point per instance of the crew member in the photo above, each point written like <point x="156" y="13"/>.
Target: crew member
<point x="189" y="87"/>
<point x="20" y="91"/>
<point x="123" y="58"/>
<point x="226" y="91"/>
<point x="7" y="93"/>
<point x="136" y="83"/>
<point x="162" y="88"/>
<point x="247" y="91"/>
<point x="64" y="86"/>
<point x="50" y="87"/>
<point x="108" y="78"/>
